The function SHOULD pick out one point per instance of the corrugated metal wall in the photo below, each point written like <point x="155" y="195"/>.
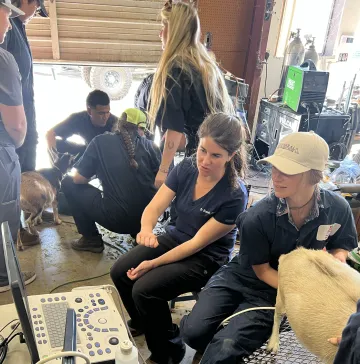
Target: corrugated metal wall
<point x="98" y="31"/>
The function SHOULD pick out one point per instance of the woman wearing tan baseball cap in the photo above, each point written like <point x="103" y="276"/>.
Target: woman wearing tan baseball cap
<point x="297" y="166"/>
<point x="298" y="213"/>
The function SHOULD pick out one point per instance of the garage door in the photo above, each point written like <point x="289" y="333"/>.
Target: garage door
<point x="96" y="31"/>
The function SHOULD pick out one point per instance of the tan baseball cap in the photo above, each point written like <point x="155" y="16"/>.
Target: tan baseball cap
<point x="298" y="153"/>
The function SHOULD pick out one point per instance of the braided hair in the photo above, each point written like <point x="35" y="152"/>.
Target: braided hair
<point x="127" y="131"/>
<point x="228" y="132"/>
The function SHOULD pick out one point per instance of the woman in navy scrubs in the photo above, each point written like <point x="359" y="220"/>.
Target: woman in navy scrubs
<point x="297" y="213"/>
<point x="209" y="195"/>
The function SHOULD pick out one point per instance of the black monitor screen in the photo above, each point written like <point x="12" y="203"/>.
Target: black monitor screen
<point x="18" y="291"/>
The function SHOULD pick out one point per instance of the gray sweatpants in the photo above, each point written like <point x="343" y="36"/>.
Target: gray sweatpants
<point x="10" y="177"/>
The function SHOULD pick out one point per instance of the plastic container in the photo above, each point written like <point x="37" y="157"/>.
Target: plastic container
<point x="127" y="353"/>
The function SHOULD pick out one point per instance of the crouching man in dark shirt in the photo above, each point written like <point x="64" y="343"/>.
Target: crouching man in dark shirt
<point x="88" y="124"/>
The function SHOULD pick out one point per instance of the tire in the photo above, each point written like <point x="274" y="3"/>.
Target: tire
<point x="115" y="81"/>
<point x="85" y="74"/>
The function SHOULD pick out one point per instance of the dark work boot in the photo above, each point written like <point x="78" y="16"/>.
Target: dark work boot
<point x="92" y="244"/>
<point x="176" y="349"/>
<point x="135" y="329"/>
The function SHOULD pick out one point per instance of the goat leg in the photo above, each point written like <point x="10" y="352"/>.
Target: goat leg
<point x="274" y="341"/>
<point x="56" y="212"/>
<point x="19" y="243"/>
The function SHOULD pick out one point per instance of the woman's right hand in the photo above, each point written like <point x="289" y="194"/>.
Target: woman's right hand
<point x="335" y="340"/>
<point x="147" y="238"/>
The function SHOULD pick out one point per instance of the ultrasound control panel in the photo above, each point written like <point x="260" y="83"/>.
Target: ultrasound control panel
<point x="100" y="328"/>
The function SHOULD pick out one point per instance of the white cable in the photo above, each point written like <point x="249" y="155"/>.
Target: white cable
<point x="64" y="354"/>
<point x="225" y="322"/>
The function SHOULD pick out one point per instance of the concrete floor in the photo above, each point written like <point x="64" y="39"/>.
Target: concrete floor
<point x="55" y="263"/>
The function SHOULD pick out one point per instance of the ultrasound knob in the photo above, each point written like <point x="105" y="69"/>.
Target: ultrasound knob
<point x="113" y="341"/>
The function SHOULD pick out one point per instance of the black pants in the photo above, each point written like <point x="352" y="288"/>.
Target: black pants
<point x="88" y="206"/>
<point x="146" y="299"/>
<point x="9" y="200"/>
<point x="225" y="294"/>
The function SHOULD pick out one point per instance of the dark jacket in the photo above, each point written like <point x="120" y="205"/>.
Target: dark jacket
<point x="349" y="349"/>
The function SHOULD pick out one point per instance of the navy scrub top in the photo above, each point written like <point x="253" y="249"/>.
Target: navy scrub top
<point x="80" y="124"/>
<point x="125" y="188"/>
<point x="222" y="202"/>
<point x="265" y="236"/>
<point x="186" y="106"/>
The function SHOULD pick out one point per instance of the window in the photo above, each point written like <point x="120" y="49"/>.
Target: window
<point x="311" y="16"/>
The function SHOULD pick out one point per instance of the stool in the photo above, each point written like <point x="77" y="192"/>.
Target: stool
<point x="191" y="297"/>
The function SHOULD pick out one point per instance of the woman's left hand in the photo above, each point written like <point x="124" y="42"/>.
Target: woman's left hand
<point x="160" y="179"/>
<point x="140" y="270"/>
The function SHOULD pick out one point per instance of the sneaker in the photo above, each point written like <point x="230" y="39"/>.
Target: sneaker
<point x="93" y="244"/>
<point x="28" y="277"/>
<point x="28" y="239"/>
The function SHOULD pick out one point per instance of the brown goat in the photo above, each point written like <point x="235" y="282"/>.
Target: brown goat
<point x="38" y="192"/>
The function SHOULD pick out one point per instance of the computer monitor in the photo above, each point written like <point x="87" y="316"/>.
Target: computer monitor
<point x="18" y="291"/>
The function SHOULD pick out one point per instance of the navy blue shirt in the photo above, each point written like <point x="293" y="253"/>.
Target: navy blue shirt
<point x="265" y="236"/>
<point x="222" y="202"/>
<point x="186" y="106"/>
<point x="17" y="44"/>
<point x="80" y="124"/>
<point x="125" y="187"/>
<point x="349" y="349"/>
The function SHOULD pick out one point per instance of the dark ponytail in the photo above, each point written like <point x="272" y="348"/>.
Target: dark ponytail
<point x="228" y="132"/>
<point x="127" y="131"/>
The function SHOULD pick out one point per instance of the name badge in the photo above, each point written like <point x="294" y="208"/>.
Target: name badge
<point x="325" y="231"/>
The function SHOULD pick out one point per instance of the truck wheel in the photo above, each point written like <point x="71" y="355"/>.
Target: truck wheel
<point x="115" y="81"/>
<point x="85" y="74"/>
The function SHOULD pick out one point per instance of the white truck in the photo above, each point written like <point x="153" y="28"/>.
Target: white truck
<point x="110" y="40"/>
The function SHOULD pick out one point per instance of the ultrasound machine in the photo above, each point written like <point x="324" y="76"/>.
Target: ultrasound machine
<point x="99" y="326"/>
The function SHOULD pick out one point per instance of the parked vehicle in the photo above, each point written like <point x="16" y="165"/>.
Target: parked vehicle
<point x="111" y="41"/>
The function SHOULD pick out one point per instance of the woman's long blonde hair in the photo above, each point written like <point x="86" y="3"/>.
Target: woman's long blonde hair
<point x="184" y="50"/>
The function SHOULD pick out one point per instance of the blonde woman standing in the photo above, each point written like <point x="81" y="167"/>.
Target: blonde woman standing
<point x="187" y="84"/>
